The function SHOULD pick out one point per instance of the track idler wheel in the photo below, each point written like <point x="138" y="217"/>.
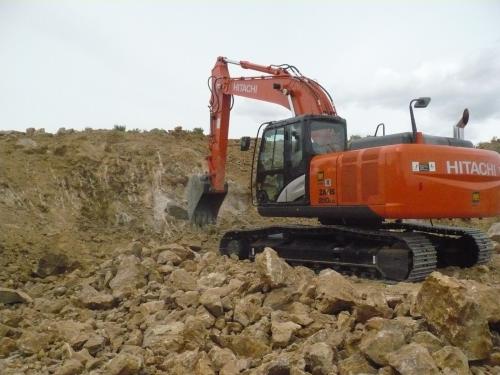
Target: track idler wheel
<point x="394" y="263"/>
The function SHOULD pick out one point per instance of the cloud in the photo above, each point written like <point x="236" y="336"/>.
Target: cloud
<point x="472" y="82"/>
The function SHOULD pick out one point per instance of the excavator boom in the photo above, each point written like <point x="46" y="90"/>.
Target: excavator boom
<point x="283" y="85"/>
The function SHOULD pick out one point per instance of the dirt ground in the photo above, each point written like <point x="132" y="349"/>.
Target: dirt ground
<point x="99" y="199"/>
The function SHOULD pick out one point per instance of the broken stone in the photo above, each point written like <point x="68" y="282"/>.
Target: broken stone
<point x="451" y="360"/>
<point x="448" y="307"/>
<point x="355" y="364"/>
<point x="413" y="359"/>
<point x="168" y="256"/>
<point x="212" y="302"/>
<point x="7" y="346"/>
<point x="494" y="232"/>
<point x="428" y="341"/>
<point x="212" y="280"/>
<point x="124" y="364"/>
<point x="247" y="346"/>
<point x="74" y="333"/>
<point x="220" y="356"/>
<point x="70" y="367"/>
<point x="273" y="270"/>
<point x="92" y="299"/>
<point x="204" y="365"/>
<point x="131" y="275"/>
<point x="248" y="309"/>
<point x="334" y="292"/>
<point x="183" y="280"/>
<point x="377" y="346"/>
<point x="52" y="264"/>
<point x="10" y="296"/>
<point x="168" y="336"/>
<point x="282" y="330"/>
<point x="95" y="344"/>
<point x="319" y="355"/>
<point x="32" y="342"/>
<point x="194" y="333"/>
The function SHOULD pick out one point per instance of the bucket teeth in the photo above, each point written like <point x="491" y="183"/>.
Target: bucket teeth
<point x="203" y="202"/>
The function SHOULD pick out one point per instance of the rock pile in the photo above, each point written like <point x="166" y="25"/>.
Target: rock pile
<point x="174" y="310"/>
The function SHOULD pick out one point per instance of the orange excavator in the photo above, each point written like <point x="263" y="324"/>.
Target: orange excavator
<point x="360" y="192"/>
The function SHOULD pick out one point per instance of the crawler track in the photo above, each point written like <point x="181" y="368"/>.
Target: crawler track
<point x="394" y="252"/>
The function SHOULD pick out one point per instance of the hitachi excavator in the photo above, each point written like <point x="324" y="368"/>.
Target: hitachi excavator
<point x="361" y="193"/>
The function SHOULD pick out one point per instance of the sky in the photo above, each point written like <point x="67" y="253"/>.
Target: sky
<point x="145" y="64"/>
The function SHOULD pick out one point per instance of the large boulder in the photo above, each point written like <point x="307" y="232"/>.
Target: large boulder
<point x="451" y="309"/>
<point x="130" y="276"/>
<point x="274" y="271"/>
<point x="413" y="359"/>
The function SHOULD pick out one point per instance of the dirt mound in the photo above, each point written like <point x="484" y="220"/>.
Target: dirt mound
<point x="100" y="274"/>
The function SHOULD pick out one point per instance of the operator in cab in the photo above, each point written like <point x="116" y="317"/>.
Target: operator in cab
<point x="325" y="139"/>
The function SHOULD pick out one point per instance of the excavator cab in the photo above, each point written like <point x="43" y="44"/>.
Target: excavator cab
<point x="285" y="152"/>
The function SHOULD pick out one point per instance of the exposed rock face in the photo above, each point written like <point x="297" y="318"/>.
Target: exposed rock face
<point x="448" y="306"/>
<point x="274" y="271"/>
<point x="413" y="359"/>
<point x="9" y="296"/>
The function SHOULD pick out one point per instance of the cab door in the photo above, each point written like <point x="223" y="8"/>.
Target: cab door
<point x="271" y="165"/>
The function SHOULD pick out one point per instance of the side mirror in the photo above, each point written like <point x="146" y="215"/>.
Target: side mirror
<point x="422" y="102"/>
<point x="245" y="143"/>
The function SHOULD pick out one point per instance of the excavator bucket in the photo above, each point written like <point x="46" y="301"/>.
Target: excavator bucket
<point x="203" y="202"/>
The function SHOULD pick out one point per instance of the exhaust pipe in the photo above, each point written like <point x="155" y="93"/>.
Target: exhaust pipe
<point x="458" y="129"/>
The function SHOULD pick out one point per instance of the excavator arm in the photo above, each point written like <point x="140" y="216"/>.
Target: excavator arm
<point x="283" y="85"/>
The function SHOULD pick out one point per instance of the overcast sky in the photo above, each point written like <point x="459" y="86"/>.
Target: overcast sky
<point x="145" y="64"/>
